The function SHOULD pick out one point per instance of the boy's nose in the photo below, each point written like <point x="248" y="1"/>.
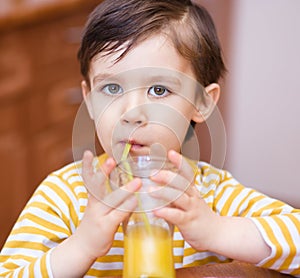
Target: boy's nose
<point x="135" y="116"/>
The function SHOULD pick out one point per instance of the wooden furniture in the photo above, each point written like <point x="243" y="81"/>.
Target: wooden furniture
<point x="235" y="269"/>
<point x="39" y="94"/>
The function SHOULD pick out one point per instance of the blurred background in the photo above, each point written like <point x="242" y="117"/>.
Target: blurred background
<point x="40" y="94"/>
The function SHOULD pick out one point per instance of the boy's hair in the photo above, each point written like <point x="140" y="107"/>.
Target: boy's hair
<point x="116" y="24"/>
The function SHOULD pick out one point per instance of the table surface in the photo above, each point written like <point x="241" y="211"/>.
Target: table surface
<point x="234" y="269"/>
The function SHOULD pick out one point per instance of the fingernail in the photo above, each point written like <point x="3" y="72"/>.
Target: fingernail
<point x="172" y="152"/>
<point x="109" y="161"/>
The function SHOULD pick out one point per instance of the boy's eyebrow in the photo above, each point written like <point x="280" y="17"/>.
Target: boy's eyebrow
<point x="101" y="77"/>
<point x="171" y="79"/>
<point x="149" y="79"/>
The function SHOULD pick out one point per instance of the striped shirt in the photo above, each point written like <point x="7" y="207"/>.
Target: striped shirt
<point x="57" y="207"/>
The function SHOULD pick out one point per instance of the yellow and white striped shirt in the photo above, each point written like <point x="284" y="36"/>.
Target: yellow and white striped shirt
<point x="58" y="205"/>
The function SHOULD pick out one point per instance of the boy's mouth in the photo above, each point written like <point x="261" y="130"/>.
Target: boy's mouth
<point x="135" y="145"/>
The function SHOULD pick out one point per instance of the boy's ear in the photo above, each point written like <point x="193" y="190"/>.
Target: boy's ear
<point x="87" y="98"/>
<point x="207" y="103"/>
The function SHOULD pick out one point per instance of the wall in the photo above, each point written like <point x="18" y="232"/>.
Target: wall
<point x="263" y="126"/>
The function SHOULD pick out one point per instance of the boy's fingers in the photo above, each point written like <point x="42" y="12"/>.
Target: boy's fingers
<point x="175" y="180"/>
<point x="107" y="166"/>
<point x="121" y="213"/>
<point x="88" y="168"/>
<point x="117" y="197"/>
<point x="95" y="182"/>
<point x="87" y="164"/>
<point x="182" y="165"/>
<point x="124" y="209"/>
<point x="171" y="195"/>
<point x="172" y="215"/>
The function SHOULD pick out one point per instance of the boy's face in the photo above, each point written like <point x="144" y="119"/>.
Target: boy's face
<point x="147" y="98"/>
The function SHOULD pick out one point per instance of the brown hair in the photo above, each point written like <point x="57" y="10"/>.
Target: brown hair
<point x="189" y="26"/>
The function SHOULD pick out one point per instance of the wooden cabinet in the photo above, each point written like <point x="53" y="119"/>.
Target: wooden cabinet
<point x="39" y="97"/>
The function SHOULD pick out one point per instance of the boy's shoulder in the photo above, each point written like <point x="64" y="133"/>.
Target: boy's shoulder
<point x="207" y="174"/>
<point x="73" y="169"/>
<point x="60" y="190"/>
<point x="205" y="169"/>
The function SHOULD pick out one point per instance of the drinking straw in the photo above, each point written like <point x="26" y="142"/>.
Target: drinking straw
<point x="130" y="177"/>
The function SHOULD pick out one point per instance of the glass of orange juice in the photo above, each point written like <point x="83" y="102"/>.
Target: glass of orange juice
<point x="148" y="240"/>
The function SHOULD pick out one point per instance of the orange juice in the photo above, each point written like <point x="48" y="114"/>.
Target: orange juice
<point x="148" y="253"/>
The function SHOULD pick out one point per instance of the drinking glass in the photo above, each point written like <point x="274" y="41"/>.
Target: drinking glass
<point x="148" y="240"/>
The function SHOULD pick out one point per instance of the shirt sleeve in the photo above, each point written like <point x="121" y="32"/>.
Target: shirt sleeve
<point x="277" y="222"/>
<point x="48" y="218"/>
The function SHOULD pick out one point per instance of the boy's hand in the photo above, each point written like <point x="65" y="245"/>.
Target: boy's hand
<point x="189" y="212"/>
<point x="100" y="221"/>
<point x="94" y="235"/>
<point x="199" y="225"/>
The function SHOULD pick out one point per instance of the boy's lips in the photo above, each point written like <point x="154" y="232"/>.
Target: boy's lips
<point x="135" y="145"/>
<point x="133" y="142"/>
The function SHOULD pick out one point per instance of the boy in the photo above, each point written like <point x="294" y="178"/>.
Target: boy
<point x="141" y="61"/>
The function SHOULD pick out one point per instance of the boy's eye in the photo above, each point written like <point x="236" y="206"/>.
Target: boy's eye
<point x="158" y="91"/>
<point x="112" y="89"/>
